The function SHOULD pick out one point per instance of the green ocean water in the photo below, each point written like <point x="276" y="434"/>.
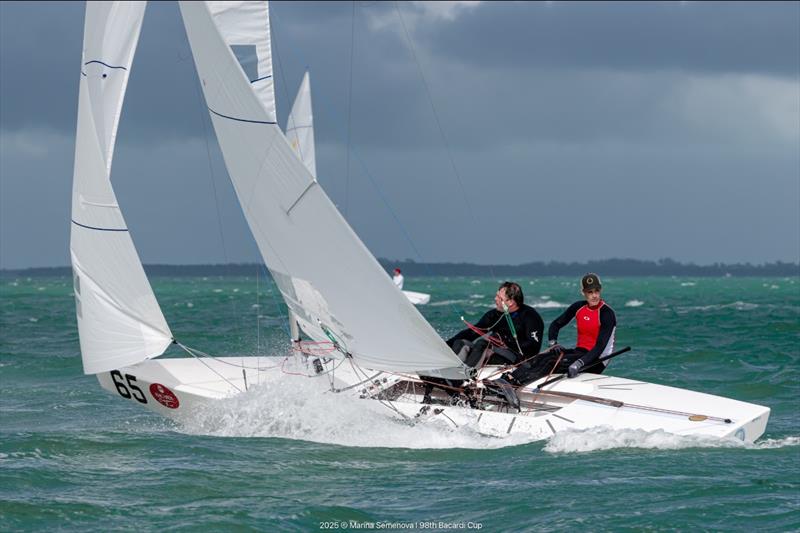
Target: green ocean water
<point x="73" y="457"/>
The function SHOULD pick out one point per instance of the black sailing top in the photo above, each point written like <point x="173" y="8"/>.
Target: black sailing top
<point x="527" y="323"/>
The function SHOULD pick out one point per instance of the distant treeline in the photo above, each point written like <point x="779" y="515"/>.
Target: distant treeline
<point x="605" y="267"/>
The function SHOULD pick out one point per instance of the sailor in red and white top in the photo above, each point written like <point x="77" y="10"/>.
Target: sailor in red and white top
<point x="398" y="278"/>
<point x="596" y="323"/>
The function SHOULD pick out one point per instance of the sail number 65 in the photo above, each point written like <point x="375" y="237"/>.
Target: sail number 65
<point x="127" y="388"/>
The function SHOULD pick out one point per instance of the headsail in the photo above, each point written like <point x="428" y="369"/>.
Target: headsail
<point x="300" y="127"/>
<point x="330" y="281"/>
<point x="119" y="320"/>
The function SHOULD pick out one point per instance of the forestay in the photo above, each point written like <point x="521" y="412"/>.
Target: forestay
<point x="330" y="281"/>
<point x="119" y="320"/>
<point x="300" y="127"/>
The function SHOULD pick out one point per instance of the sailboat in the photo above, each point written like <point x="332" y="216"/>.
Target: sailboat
<point x="377" y="349"/>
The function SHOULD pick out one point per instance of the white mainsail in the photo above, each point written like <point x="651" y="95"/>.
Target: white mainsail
<point x="119" y="320"/>
<point x="245" y="28"/>
<point x="300" y="127"/>
<point x="330" y="281"/>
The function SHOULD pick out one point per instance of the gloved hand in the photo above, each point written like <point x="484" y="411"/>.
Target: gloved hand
<point x="556" y="349"/>
<point x="575" y="368"/>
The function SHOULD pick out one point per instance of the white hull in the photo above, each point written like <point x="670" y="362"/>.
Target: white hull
<point x="417" y="298"/>
<point x="602" y="400"/>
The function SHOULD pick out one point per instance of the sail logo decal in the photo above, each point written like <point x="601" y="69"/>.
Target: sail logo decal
<point x="164" y="396"/>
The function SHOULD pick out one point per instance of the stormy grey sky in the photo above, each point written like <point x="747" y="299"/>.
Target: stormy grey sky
<point x="578" y="131"/>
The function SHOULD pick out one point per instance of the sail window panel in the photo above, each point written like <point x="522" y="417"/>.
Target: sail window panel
<point x="248" y="59"/>
<point x="247" y="23"/>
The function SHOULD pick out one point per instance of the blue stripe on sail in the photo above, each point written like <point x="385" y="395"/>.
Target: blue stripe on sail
<point x="262" y="78"/>
<point x="98" y="229"/>
<point x="241" y="119"/>
<point x="104" y="64"/>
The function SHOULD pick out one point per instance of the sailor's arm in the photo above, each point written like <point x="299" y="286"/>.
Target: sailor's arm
<point x="470" y="335"/>
<point x="564" y="319"/>
<point x="530" y="338"/>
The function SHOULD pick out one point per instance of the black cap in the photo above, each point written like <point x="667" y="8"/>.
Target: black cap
<point x="590" y="281"/>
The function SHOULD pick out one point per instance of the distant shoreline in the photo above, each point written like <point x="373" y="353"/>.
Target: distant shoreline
<point x="606" y="267"/>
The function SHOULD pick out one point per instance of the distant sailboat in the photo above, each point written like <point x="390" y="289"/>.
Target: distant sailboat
<point x="376" y="348"/>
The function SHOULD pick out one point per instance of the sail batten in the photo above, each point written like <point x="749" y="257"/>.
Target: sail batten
<point x="332" y="284"/>
<point x="119" y="320"/>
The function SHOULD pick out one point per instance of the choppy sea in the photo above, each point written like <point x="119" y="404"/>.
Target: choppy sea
<point x="75" y="458"/>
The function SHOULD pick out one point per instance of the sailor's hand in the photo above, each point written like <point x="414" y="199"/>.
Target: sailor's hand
<point x="556" y="348"/>
<point x="575" y="368"/>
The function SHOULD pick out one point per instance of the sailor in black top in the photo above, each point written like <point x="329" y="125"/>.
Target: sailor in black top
<point x="528" y="327"/>
<point x="472" y="347"/>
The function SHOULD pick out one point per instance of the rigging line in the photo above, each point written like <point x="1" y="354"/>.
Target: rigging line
<point x="258" y="313"/>
<point x="386" y="403"/>
<point x="350" y="109"/>
<point x="258" y="366"/>
<point x="354" y="151"/>
<point x="388" y="206"/>
<point x="438" y="123"/>
<point x="203" y="116"/>
<point x="285" y="318"/>
<point x="282" y="77"/>
<point x="189" y="351"/>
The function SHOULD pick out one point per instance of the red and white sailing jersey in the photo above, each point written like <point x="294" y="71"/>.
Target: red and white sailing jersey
<point x="588" y="324"/>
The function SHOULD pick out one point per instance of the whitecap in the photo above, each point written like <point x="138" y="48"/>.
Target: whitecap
<point x="688" y="284"/>
<point x="607" y="438"/>
<point x="549" y="304"/>
<point x="769" y="444"/>
<point x="295" y="407"/>
<point x="634" y="303"/>
<point x="33" y="319"/>
<point x="448" y="302"/>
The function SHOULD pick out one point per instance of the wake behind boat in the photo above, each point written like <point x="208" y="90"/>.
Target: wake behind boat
<point x="376" y="350"/>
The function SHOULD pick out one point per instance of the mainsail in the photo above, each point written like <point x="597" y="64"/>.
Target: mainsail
<point x="332" y="284"/>
<point x="119" y="320"/>
<point x="300" y="127"/>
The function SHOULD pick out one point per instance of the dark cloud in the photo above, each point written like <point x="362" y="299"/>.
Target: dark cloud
<point x="677" y="122"/>
<point x="732" y="37"/>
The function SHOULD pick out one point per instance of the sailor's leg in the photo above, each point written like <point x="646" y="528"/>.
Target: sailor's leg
<point x="531" y="371"/>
